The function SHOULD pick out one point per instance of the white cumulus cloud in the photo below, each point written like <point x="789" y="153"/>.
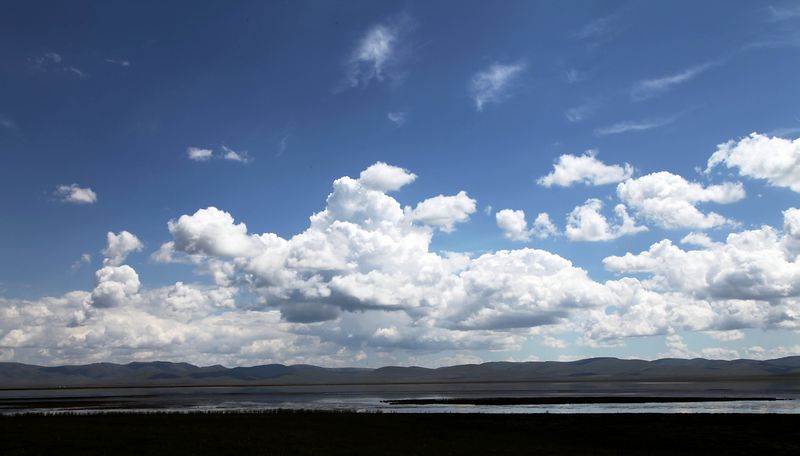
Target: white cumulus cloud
<point x="775" y="160"/>
<point x="514" y="226"/>
<point x="584" y="169"/>
<point x="587" y="223"/>
<point x="385" y="178"/>
<point x="444" y="211"/>
<point x="119" y="246"/>
<point x="199" y="154"/>
<point x="75" y="194"/>
<point x="670" y="201"/>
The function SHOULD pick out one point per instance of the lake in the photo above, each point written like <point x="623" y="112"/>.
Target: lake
<point x="372" y="397"/>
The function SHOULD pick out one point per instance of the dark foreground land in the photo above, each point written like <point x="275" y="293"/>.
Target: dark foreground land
<point x="327" y="433"/>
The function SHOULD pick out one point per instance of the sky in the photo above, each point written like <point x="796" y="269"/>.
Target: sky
<point x="359" y="183"/>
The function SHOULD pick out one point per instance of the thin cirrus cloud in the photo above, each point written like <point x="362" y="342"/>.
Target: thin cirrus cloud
<point x="397" y="117"/>
<point x="635" y="125"/>
<point x="55" y="62"/>
<point x="579" y="113"/>
<point x="75" y="194"/>
<point x="379" y="53"/>
<point x="650" y="88"/>
<point x="596" y="28"/>
<point x="232" y="155"/>
<point x="6" y="122"/>
<point x="119" y="62"/>
<point x="495" y="83"/>
<point x="783" y="13"/>
<point x="573" y="76"/>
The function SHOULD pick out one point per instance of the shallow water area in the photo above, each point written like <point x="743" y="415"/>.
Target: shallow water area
<point x="738" y="398"/>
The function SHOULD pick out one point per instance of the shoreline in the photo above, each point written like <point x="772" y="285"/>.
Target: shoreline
<point x="564" y="400"/>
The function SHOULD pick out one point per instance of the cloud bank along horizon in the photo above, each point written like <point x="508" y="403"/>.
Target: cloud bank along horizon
<point x="361" y="284"/>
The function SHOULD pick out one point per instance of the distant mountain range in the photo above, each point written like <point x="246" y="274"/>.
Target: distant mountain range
<point x="16" y="375"/>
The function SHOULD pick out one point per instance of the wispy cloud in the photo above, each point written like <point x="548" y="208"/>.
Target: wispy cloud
<point x="579" y="113"/>
<point x="232" y="155"/>
<point x="46" y="60"/>
<point x="783" y="13"/>
<point x="635" y="125"/>
<point x="493" y="85"/>
<point x="75" y="194"/>
<point x="84" y="259"/>
<point x="653" y="87"/>
<point x="122" y="63"/>
<point x="597" y="27"/>
<point x="378" y="52"/>
<point x="283" y="144"/>
<point x="786" y="131"/>
<point x="6" y="122"/>
<point x="202" y="155"/>
<point x="53" y="61"/>
<point x="398" y="117"/>
<point x="573" y="76"/>
<point x="76" y="72"/>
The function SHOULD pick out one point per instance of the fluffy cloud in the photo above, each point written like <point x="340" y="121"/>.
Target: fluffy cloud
<point x="444" y="211"/>
<point x="699" y="239"/>
<point x="385" y="178"/>
<point x="493" y="84"/>
<point x="775" y="160"/>
<point x="119" y="246"/>
<point x="115" y="286"/>
<point x="212" y="232"/>
<point x="586" y="223"/>
<point x="521" y="288"/>
<point x="227" y="153"/>
<point x="750" y="265"/>
<point x="514" y="226"/>
<point x="584" y="169"/>
<point x="198" y="154"/>
<point x="75" y="194"/>
<point x="364" y="252"/>
<point x="670" y="201"/>
<point x="362" y="283"/>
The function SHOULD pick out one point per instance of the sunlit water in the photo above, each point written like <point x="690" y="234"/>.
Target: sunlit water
<point x="371" y="398"/>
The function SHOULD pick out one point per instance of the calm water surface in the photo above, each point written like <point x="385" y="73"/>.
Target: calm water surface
<point x="369" y="398"/>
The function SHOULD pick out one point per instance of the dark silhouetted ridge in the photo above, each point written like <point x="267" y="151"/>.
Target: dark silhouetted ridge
<point x="160" y="373"/>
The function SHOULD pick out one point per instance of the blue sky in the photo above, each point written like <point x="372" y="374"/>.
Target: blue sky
<point x="119" y="118"/>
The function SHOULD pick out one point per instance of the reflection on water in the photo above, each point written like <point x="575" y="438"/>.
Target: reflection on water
<point x="371" y="397"/>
